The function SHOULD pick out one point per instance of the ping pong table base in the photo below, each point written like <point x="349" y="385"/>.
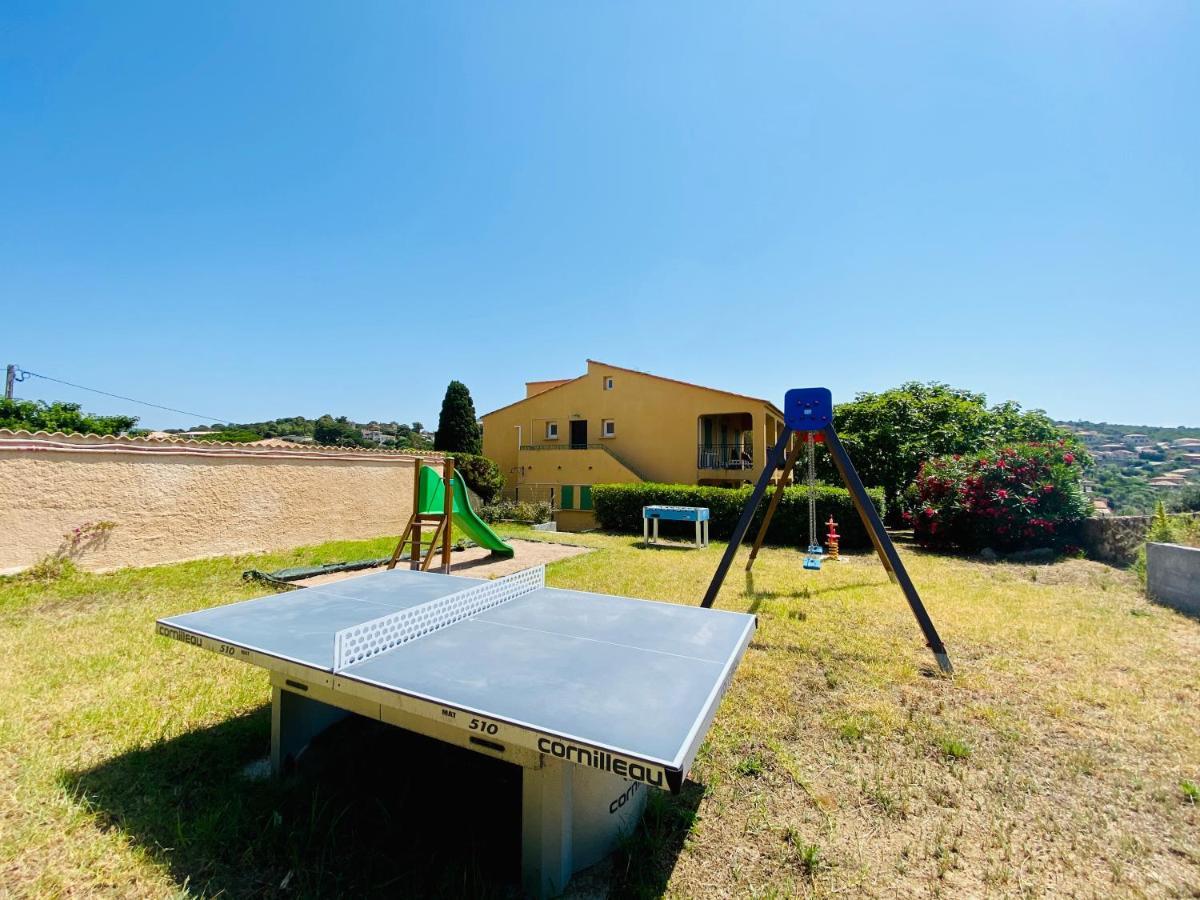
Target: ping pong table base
<point x="571" y="816"/>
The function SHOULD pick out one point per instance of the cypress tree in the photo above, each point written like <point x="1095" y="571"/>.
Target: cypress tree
<point x="458" y="431"/>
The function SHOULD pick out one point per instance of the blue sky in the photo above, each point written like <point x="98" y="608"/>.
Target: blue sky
<point x="257" y="210"/>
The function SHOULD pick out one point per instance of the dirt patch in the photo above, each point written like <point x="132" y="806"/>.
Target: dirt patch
<point x="476" y="562"/>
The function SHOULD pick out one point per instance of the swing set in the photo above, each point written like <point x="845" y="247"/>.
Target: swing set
<point x="809" y="411"/>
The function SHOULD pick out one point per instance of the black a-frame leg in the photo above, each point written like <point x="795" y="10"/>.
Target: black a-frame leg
<point x="884" y="547"/>
<point x="774" y="459"/>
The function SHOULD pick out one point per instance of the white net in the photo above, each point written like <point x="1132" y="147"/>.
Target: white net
<point x="361" y="642"/>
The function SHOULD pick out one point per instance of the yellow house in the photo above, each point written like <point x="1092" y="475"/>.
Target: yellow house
<point x="616" y="425"/>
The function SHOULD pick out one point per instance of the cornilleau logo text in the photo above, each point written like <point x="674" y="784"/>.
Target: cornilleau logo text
<point x="599" y="759"/>
<point x="625" y="797"/>
<point x="178" y="635"/>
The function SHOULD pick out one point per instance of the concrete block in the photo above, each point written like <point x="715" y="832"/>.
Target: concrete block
<point x="1173" y="576"/>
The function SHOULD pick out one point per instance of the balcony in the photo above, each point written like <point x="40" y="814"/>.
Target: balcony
<point x="725" y="457"/>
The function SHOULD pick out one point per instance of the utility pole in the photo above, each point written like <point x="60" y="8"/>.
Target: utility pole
<point x="8" y="381"/>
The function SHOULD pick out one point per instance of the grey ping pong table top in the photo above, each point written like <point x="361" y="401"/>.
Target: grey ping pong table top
<point x="636" y="677"/>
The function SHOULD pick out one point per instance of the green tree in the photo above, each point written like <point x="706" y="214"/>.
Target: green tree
<point x="37" y="415"/>
<point x="481" y="474"/>
<point x="1188" y="500"/>
<point x="889" y="434"/>
<point x="339" y="432"/>
<point x="458" y="430"/>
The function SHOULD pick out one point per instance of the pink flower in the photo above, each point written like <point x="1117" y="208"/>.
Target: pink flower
<point x="1068" y="458"/>
<point x="1002" y="494"/>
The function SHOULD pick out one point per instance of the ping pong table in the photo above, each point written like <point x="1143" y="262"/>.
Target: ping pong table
<point x="595" y="697"/>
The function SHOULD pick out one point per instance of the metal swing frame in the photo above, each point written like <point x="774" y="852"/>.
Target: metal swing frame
<point x="811" y="410"/>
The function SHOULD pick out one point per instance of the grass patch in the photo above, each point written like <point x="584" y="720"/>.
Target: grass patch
<point x="124" y="756"/>
<point x="953" y="748"/>
<point x="1191" y="791"/>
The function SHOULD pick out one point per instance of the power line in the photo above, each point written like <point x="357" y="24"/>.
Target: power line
<point x="24" y="372"/>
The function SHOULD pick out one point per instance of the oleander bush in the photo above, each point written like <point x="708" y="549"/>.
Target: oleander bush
<point x="1017" y="497"/>
<point x="618" y="507"/>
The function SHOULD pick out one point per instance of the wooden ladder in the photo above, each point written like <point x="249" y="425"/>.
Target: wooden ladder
<point x="442" y="522"/>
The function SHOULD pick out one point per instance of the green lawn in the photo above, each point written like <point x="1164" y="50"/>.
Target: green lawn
<point x="1063" y="758"/>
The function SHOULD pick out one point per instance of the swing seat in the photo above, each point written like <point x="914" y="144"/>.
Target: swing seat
<point x="812" y="562"/>
<point x="816" y="550"/>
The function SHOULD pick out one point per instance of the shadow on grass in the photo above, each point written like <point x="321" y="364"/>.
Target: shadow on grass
<point x="446" y="822"/>
<point x="806" y="592"/>
<point x="643" y="864"/>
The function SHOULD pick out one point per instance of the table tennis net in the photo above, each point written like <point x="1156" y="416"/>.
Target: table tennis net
<point x="361" y="642"/>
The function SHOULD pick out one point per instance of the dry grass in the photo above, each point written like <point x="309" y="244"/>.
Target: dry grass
<point x="1057" y="761"/>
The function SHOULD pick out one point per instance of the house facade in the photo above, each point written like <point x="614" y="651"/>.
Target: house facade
<point x="613" y="424"/>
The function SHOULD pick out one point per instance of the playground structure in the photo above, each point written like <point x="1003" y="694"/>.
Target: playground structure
<point x="810" y="412"/>
<point x="832" y="539"/>
<point x="441" y="502"/>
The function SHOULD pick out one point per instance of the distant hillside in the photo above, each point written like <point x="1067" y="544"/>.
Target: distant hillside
<point x="1138" y="465"/>
<point x="323" y="430"/>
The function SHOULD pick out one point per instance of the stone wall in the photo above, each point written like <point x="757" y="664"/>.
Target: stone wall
<point x="1173" y="576"/>
<point x="178" y="500"/>
<point x="1114" y="539"/>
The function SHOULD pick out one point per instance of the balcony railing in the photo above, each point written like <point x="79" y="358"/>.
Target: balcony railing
<point x="725" y="456"/>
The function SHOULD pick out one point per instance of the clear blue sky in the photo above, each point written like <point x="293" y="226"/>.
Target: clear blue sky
<point x="254" y="210"/>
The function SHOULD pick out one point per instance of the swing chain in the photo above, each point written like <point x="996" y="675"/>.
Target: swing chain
<point x="812" y="492"/>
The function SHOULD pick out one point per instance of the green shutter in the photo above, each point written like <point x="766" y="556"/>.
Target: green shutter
<point x="585" y="496"/>
<point x="568" y="497"/>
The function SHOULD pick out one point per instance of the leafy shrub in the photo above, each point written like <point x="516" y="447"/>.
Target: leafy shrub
<point x="618" y="507"/>
<point x="36" y="415"/>
<point x="1017" y="497"/>
<point x="890" y="434"/>
<point x="1188" y="500"/>
<point x="61" y="563"/>
<point x="230" y="435"/>
<point x="481" y="474"/>
<point x="339" y="432"/>
<point x="534" y="511"/>
<point x="1167" y="529"/>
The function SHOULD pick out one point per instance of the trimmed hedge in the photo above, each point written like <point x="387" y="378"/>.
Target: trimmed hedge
<point x="618" y="507"/>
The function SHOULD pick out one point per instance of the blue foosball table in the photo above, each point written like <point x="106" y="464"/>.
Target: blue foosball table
<point x="653" y="514"/>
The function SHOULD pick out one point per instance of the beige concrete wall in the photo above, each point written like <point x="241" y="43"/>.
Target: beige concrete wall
<point x="181" y="500"/>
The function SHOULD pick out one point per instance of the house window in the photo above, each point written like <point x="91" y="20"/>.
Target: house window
<point x="608" y="428"/>
<point x="608" y="382"/>
<point x="552" y="431"/>
<point x="568" y="497"/>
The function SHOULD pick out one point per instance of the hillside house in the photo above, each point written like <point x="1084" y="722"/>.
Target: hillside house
<point x="613" y="424"/>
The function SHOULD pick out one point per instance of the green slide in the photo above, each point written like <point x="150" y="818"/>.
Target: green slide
<point x="465" y="521"/>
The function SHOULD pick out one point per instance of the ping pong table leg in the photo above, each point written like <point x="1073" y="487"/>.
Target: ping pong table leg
<point x="546" y="860"/>
<point x="572" y="817"/>
<point x="645" y="532"/>
<point x="295" y="721"/>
